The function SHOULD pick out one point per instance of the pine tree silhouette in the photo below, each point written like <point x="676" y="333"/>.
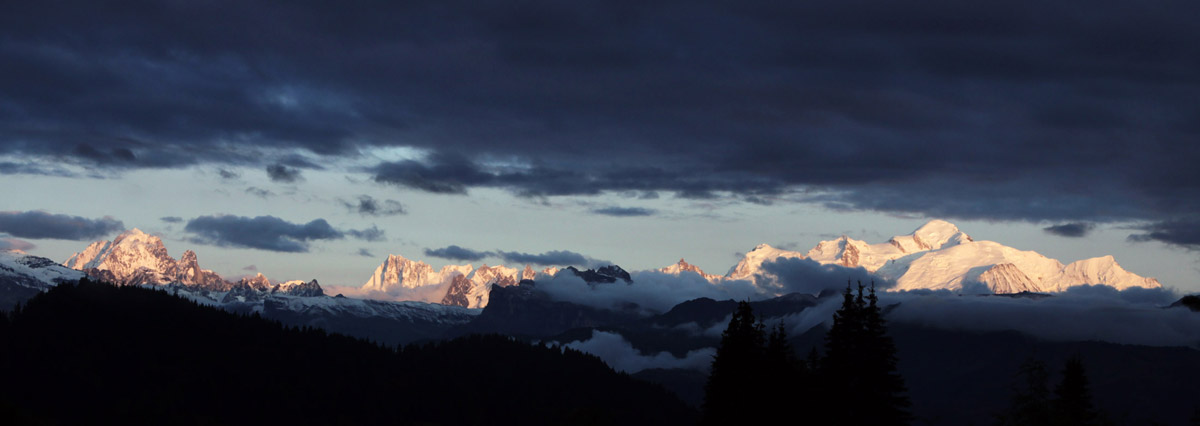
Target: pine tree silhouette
<point x="1073" y="398"/>
<point x="1030" y="403"/>
<point x="882" y="380"/>
<point x="860" y="365"/>
<point x="737" y="371"/>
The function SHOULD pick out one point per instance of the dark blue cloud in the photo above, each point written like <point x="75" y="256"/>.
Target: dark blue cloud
<point x="960" y="109"/>
<point x="454" y="252"/>
<point x="551" y="258"/>
<point x="1180" y="232"/>
<point x="262" y="232"/>
<point x="171" y="219"/>
<point x="1073" y="230"/>
<point x="283" y="174"/>
<point x="39" y="224"/>
<point x="368" y="234"/>
<point x="624" y="211"/>
<point x="367" y="205"/>
<point x="259" y="192"/>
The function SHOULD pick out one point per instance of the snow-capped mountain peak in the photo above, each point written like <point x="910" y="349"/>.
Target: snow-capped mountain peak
<point x="938" y="255"/>
<point x="750" y="265"/>
<point x="34" y="272"/>
<point x="1104" y="270"/>
<point x="683" y="266"/>
<point x="134" y="257"/>
<point x="299" y="288"/>
<point x="933" y="235"/>
<point x="399" y="272"/>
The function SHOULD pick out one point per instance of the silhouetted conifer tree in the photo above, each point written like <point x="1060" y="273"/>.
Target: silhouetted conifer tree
<point x="1030" y="403"/>
<point x="737" y="371"/>
<point x="859" y="367"/>
<point x="883" y="381"/>
<point x="1073" y="398"/>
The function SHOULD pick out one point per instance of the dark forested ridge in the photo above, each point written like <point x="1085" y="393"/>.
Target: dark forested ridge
<point x="89" y="353"/>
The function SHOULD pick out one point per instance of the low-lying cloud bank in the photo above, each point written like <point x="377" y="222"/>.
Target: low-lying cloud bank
<point x="619" y="354"/>
<point x="1102" y="313"/>
<point x="651" y="290"/>
<point x="794" y="275"/>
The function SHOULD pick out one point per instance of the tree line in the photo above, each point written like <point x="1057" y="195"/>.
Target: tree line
<point x="92" y="353"/>
<point x="757" y="378"/>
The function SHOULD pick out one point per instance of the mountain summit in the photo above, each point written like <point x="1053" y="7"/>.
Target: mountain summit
<point x="136" y="257"/>
<point x="939" y="256"/>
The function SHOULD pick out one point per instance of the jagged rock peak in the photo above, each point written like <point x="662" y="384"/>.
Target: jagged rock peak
<point x="1005" y="278"/>
<point x="299" y="288"/>
<point x="604" y="274"/>
<point x="137" y="258"/>
<point x="682" y="265"/>
<point x="258" y="282"/>
<point x="752" y="262"/>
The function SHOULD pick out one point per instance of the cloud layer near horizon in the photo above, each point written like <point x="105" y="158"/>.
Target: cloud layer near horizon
<point x="619" y="354"/>
<point x="1135" y="316"/>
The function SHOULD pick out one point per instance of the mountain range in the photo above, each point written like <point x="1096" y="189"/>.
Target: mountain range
<point x="936" y="256"/>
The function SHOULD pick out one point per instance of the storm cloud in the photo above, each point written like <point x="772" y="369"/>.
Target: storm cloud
<point x="368" y="234"/>
<point x="454" y="252"/>
<point x="1179" y="232"/>
<point x="283" y="174"/>
<point x="552" y="258"/>
<point x="39" y="224"/>
<point x="961" y="109"/>
<point x="367" y="205"/>
<point x="624" y="211"/>
<point x="1073" y="230"/>
<point x="268" y="232"/>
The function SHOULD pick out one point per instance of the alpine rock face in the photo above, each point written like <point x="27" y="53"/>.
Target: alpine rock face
<point x="848" y="252"/>
<point x="473" y="291"/>
<point x="406" y="280"/>
<point x="682" y="266"/>
<point x="136" y="258"/>
<point x="397" y="273"/>
<point x="299" y="288"/>
<point x="751" y="264"/>
<point x="456" y="285"/>
<point x="939" y="256"/>
<point x="20" y="268"/>
<point x="23" y="276"/>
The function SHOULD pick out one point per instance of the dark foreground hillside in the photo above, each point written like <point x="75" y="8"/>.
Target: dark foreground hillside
<point x="92" y="353"/>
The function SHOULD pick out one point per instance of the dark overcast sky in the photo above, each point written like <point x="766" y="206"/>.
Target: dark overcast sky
<point x="1067" y="113"/>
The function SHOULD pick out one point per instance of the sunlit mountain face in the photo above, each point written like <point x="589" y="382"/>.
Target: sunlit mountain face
<point x="936" y="256"/>
<point x="612" y="179"/>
